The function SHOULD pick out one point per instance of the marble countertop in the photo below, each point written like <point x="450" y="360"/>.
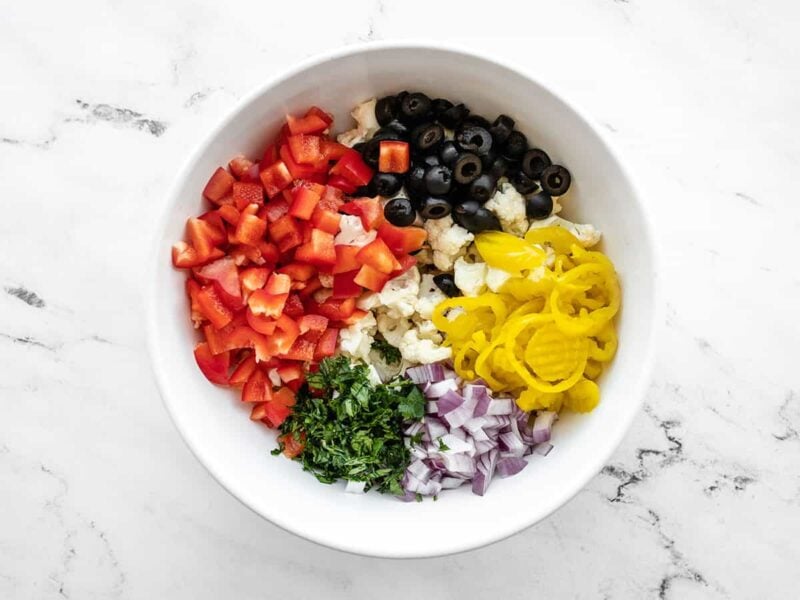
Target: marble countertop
<point x="100" y="498"/>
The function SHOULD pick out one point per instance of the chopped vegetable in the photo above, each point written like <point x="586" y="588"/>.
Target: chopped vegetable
<point x="390" y="354"/>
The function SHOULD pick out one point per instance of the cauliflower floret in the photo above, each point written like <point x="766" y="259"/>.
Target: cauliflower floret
<point x="366" y="124"/>
<point x="351" y="232"/>
<point x="470" y="278"/>
<point x="586" y="234"/>
<point x="356" y="340"/>
<point x="427" y="331"/>
<point x="399" y="295"/>
<point x="392" y="329"/>
<point x="509" y="206"/>
<point x="423" y="351"/>
<point x="496" y="278"/>
<point x="447" y="240"/>
<point x="429" y="296"/>
<point x="368" y="301"/>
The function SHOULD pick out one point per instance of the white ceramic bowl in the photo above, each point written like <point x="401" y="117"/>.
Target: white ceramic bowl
<point x="236" y="451"/>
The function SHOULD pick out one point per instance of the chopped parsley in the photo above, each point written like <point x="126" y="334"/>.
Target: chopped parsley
<point x="354" y="428"/>
<point x="442" y="446"/>
<point x="389" y="353"/>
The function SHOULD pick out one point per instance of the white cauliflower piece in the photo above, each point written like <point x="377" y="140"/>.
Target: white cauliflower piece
<point x="586" y="234"/>
<point x="368" y="301"/>
<point x="496" y="278"/>
<point x="399" y="295"/>
<point x="352" y="233"/>
<point x="424" y="256"/>
<point x="427" y="330"/>
<point x="470" y="278"/>
<point x="392" y="329"/>
<point x="429" y="296"/>
<point x="509" y="207"/>
<point x="366" y="124"/>
<point x="447" y="240"/>
<point x="326" y="279"/>
<point x="422" y="351"/>
<point x="356" y="340"/>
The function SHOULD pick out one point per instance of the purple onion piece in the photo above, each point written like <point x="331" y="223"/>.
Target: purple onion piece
<point x="462" y="414"/>
<point x="431" y="407"/>
<point x="438" y="389"/>
<point x="459" y="463"/>
<point x="543" y="448"/>
<point x="485" y="469"/>
<point x="499" y="406"/>
<point x="426" y="373"/>
<point x="511" y="444"/>
<point x="542" y="426"/>
<point x="450" y="483"/>
<point x="435" y="428"/>
<point x="506" y="467"/>
<point x="414" y="428"/>
<point x="420" y="470"/>
<point x="449" y="402"/>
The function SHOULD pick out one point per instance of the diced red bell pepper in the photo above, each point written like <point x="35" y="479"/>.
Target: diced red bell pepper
<point x="225" y="276"/>
<point x="372" y="279"/>
<point x="278" y="283"/>
<point x="332" y="199"/>
<point x="214" y="366"/>
<point x="312" y="326"/>
<point x="342" y="184"/>
<point x="219" y="185"/>
<point x="242" y="372"/>
<point x="229" y="213"/>
<point x="275" y="209"/>
<point x="285" y="233"/>
<point x="402" y="240"/>
<point x="336" y="310"/>
<point x="332" y="150"/>
<point x="394" y="156"/>
<point x="377" y="255"/>
<point x="319" y="250"/>
<point x="304" y="202"/>
<point x="298" y="271"/>
<point x="284" y="396"/>
<point x="286" y="332"/>
<point x="306" y="149"/>
<point x="293" y="307"/>
<point x="263" y="303"/>
<point x="302" y="349"/>
<point x="236" y="336"/>
<point x="276" y="177"/>
<point x="253" y="278"/>
<point x="346" y="259"/>
<point x="185" y="256"/>
<point x="239" y="165"/>
<point x="297" y="170"/>
<point x="276" y="414"/>
<point x="352" y="168"/>
<point x="250" y="230"/>
<point x="369" y="209"/>
<point x="257" y="388"/>
<point x="270" y="155"/>
<point x="269" y="251"/>
<point x="292" y="447"/>
<point x="247" y="193"/>
<point x="325" y="220"/>
<point x="317" y="111"/>
<point x="212" y="307"/>
<point x="261" y="324"/>
<point x="344" y="285"/>
<point x="311" y="123"/>
<point x="311" y="286"/>
<point x="357" y="315"/>
<point x="326" y="346"/>
<point x="204" y="236"/>
<point x="406" y="262"/>
<point x="192" y="288"/>
<point x="253" y="174"/>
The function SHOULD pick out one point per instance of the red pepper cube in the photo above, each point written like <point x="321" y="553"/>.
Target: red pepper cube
<point x="319" y="250"/>
<point x="212" y="307"/>
<point x="263" y="304"/>
<point x="275" y="209"/>
<point x="286" y="332"/>
<point x="318" y="112"/>
<point x="344" y="285"/>
<point x="278" y="283"/>
<point x="250" y="230"/>
<point x="276" y="177"/>
<point x="293" y="307"/>
<point x="377" y="255"/>
<point x="326" y="346"/>
<point x="285" y="233"/>
<point x="306" y="149"/>
<point x="304" y="202"/>
<point x="402" y="240"/>
<point x="215" y="366"/>
<point x="325" y="220"/>
<point x="370" y="278"/>
<point x="298" y="271"/>
<point x="243" y="371"/>
<point x="312" y="326"/>
<point x="257" y="389"/>
<point x="302" y="349"/>
<point x="260" y="323"/>
<point x="368" y="209"/>
<point x="393" y="157"/>
<point x="332" y="150"/>
<point x="311" y="123"/>
<point x="219" y="185"/>
<point x="336" y="310"/>
<point x="352" y="168"/>
<point x="346" y="259"/>
<point x="332" y="199"/>
<point x="239" y="165"/>
<point x="247" y="193"/>
<point x="340" y="183"/>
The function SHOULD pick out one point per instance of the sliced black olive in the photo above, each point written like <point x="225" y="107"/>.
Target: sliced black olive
<point x="386" y="184"/>
<point x="447" y="283"/>
<point x="467" y="168"/>
<point x="399" y="212"/>
<point x="477" y="121"/>
<point x="365" y="190"/>
<point x="427" y="137"/>
<point x="500" y="167"/>
<point x="534" y="162"/>
<point x="538" y="205"/>
<point x="487" y="159"/>
<point x="439" y="180"/>
<point x="429" y="160"/>
<point x="474" y="218"/>
<point x="440" y="105"/>
<point x="415" y="108"/>
<point x="359" y="147"/>
<point x="448" y="153"/>
<point x="474" y="139"/>
<point x="453" y="116"/>
<point x="415" y="182"/>
<point x="388" y="133"/>
<point x="434" y="208"/>
<point x="482" y="188"/>
<point x="524" y="184"/>
<point x="387" y="109"/>
<point x="395" y="127"/>
<point x="501" y="129"/>
<point x="555" y="180"/>
<point x="371" y="153"/>
<point x="515" y="146"/>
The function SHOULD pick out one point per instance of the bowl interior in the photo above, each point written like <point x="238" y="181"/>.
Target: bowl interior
<point x="237" y="453"/>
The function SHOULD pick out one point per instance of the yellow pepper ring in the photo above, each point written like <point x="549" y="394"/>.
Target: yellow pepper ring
<point x="586" y="323"/>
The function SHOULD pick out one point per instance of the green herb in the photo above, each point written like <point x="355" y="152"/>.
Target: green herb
<point x="389" y="353"/>
<point x="442" y="446"/>
<point x="416" y="438"/>
<point x="353" y="428"/>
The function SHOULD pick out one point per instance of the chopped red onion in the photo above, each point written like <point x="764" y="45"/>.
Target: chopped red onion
<point x="462" y="414"/>
<point x="483" y="475"/>
<point x="414" y="428"/>
<point x="543" y="448"/>
<point x="459" y="463"/>
<point x="426" y="373"/>
<point x="506" y="467"/>
<point x="449" y="402"/>
<point x="459" y="433"/>
<point x="542" y="425"/>
<point x="438" y="389"/>
<point x="482" y="447"/>
<point x="511" y="444"/>
<point x="435" y="428"/>
<point x="450" y="483"/>
<point x="420" y="470"/>
<point x="455" y="445"/>
<point x="431" y="407"/>
<point x="499" y="406"/>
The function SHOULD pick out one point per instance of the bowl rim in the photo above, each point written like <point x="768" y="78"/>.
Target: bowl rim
<point x="156" y="257"/>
